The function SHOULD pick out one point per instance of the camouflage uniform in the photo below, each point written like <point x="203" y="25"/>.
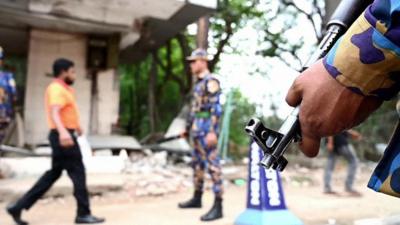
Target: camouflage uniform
<point x="204" y="118"/>
<point x="367" y="61"/>
<point x="7" y="95"/>
<point x="367" y="58"/>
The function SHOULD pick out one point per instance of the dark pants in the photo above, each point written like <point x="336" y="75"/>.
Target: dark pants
<point x="69" y="159"/>
<point x="350" y="156"/>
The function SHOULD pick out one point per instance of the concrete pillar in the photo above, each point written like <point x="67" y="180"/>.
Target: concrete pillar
<point x="44" y="48"/>
<point x="108" y="101"/>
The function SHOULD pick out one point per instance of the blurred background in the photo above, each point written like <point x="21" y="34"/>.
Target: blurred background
<point x="133" y="89"/>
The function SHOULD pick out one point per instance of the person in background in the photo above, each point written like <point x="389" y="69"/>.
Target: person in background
<point x="203" y="125"/>
<point x="63" y="120"/>
<point x="339" y="145"/>
<point x="8" y="97"/>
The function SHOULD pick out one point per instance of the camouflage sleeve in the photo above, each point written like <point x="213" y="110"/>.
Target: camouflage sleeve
<point x="367" y="58"/>
<point x="214" y="91"/>
<point x="189" y="118"/>
<point x="11" y="84"/>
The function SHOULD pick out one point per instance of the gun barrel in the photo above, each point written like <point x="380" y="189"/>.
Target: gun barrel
<point x="345" y="14"/>
<point x="348" y="11"/>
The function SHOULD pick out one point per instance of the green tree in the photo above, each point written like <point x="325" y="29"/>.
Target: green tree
<point x="243" y="110"/>
<point x="282" y="21"/>
<point x="174" y="80"/>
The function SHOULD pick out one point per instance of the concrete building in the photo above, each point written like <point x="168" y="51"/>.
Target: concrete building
<point x="97" y="35"/>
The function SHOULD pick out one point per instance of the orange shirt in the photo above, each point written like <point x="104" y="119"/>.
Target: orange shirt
<point x="58" y="93"/>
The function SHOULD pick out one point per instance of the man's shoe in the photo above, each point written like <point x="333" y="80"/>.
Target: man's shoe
<point x="330" y="192"/>
<point x="354" y="193"/>
<point x="16" y="214"/>
<point x="215" y="212"/>
<point x="194" y="202"/>
<point x="88" y="219"/>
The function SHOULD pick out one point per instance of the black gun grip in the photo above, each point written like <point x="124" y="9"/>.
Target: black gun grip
<point x="266" y="138"/>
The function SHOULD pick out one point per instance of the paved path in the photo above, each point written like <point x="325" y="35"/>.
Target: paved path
<point x="307" y="202"/>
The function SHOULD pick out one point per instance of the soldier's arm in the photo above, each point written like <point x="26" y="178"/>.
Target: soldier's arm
<point x="12" y="84"/>
<point x="189" y="120"/>
<point x="367" y="58"/>
<point x="351" y="82"/>
<point x="214" y="91"/>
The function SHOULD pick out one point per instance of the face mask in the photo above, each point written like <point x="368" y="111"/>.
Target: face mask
<point x="69" y="81"/>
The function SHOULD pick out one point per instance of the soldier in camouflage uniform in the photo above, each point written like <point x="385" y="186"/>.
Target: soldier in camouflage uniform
<point x="203" y="125"/>
<point x="8" y="93"/>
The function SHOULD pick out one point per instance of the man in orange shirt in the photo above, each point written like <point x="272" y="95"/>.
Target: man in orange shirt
<point x="63" y="120"/>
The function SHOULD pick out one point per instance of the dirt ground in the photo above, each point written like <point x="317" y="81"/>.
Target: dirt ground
<point x="304" y="199"/>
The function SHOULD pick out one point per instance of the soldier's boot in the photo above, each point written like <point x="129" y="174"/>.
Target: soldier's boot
<point x="194" y="202"/>
<point x="215" y="212"/>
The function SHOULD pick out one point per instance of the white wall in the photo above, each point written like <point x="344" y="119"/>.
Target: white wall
<point x="44" y="48"/>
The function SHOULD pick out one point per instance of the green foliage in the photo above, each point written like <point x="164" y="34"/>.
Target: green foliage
<point x="243" y="110"/>
<point x="237" y="12"/>
<point x="231" y="16"/>
<point x="173" y="80"/>
<point x="281" y="22"/>
<point x="133" y="116"/>
<point x="171" y="87"/>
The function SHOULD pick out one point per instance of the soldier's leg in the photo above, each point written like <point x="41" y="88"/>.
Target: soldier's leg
<point x="214" y="169"/>
<point x="3" y="131"/>
<point x="198" y="165"/>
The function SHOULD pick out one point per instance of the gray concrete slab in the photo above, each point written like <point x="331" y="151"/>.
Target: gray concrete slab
<point x="98" y="184"/>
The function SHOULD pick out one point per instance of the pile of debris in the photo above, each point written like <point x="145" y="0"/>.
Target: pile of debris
<point x="152" y="175"/>
<point x="5" y="171"/>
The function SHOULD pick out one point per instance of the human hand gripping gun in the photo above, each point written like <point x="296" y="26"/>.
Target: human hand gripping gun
<point x="275" y="143"/>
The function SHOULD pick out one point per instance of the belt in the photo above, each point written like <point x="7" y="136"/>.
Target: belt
<point x="203" y="114"/>
<point x="71" y="131"/>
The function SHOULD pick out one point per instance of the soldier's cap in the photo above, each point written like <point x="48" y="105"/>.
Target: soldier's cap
<point x="198" y="54"/>
<point x="1" y="53"/>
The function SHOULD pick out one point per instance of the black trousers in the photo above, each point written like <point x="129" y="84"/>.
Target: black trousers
<point x="69" y="159"/>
